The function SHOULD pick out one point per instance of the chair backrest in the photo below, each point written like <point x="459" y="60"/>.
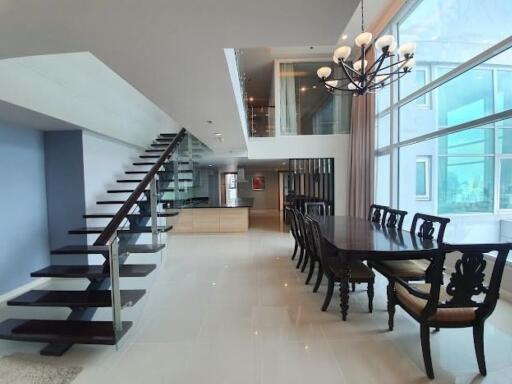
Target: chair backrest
<point x="424" y="226"/>
<point x="290" y="214"/>
<point x="468" y="280"/>
<point x="376" y="213"/>
<point x="310" y="241"/>
<point x="393" y="218"/>
<point x="299" y="219"/>
<point x="319" y="244"/>
<point x="317" y="208"/>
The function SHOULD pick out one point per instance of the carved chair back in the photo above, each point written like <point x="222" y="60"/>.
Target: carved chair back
<point x="468" y="281"/>
<point x="393" y="218"/>
<point x="299" y="219"/>
<point x="424" y="226"/>
<point x="310" y="238"/>
<point x="293" y="224"/>
<point x="376" y="213"/>
<point x="322" y="248"/>
<point x="317" y="208"/>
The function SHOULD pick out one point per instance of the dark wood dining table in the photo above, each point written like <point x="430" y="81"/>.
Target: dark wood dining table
<point x="356" y="238"/>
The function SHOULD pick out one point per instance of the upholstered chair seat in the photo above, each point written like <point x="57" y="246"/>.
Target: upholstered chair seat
<point x="416" y="305"/>
<point x="406" y="269"/>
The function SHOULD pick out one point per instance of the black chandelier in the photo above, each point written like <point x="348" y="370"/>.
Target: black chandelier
<point x="361" y="78"/>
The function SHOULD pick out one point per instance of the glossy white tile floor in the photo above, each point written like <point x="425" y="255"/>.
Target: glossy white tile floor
<point x="232" y="308"/>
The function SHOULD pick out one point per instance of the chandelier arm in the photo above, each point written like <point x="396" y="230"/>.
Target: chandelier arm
<point x="393" y="64"/>
<point x="381" y="58"/>
<point x="400" y="75"/>
<point x="371" y="76"/>
<point x="349" y="67"/>
<point x="331" y="88"/>
<point x="350" y="77"/>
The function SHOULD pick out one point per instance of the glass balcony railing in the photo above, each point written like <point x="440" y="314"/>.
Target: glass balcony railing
<point x="261" y="121"/>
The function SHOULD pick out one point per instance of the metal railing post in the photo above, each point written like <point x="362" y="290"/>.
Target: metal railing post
<point x="154" y="215"/>
<point x="114" y="283"/>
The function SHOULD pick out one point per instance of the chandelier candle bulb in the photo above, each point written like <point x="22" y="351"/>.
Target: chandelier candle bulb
<point x="407" y="49"/>
<point x="363" y="39"/>
<point x="341" y="53"/>
<point x="385" y="41"/>
<point x="324" y="72"/>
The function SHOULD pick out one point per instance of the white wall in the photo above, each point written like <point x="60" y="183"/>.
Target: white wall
<point x="268" y="199"/>
<point x="105" y="161"/>
<point x="285" y="147"/>
<point x="81" y="90"/>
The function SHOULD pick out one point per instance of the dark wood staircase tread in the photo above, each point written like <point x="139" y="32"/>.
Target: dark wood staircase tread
<point x="98" y="230"/>
<point x="168" y="134"/>
<point x="149" y="156"/>
<point x="153" y="150"/>
<point x="61" y="331"/>
<point x="145" y="172"/>
<point x="165" y="139"/>
<point x="160" y="145"/>
<point x="123" y="190"/>
<point x="110" y="215"/>
<point x="103" y="249"/>
<point x="131" y="190"/>
<point x="107" y="202"/>
<point x="75" y="299"/>
<point x="93" y="271"/>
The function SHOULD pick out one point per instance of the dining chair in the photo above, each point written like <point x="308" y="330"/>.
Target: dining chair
<point x="425" y="227"/>
<point x="303" y="255"/>
<point x="315" y="208"/>
<point x="467" y="300"/>
<point x="331" y="266"/>
<point x="293" y="228"/>
<point x="393" y="218"/>
<point x="376" y="213"/>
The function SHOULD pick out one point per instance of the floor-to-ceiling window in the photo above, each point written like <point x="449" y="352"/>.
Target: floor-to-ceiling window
<point x="444" y="132"/>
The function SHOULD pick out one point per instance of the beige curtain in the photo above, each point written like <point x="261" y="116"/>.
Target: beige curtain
<point x="361" y="161"/>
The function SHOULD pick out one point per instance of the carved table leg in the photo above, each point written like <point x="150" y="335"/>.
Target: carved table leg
<point x="344" y="288"/>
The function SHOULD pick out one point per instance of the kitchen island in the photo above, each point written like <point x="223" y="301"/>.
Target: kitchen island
<point x="214" y="218"/>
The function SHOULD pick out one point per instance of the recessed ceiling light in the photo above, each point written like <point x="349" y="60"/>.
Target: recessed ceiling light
<point x="314" y="86"/>
<point x="303" y="89"/>
<point x="210" y="165"/>
<point x="251" y="99"/>
<point x="218" y="134"/>
<point x="344" y="36"/>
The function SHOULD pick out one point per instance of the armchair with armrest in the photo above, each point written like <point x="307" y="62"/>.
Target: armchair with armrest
<point x="466" y="301"/>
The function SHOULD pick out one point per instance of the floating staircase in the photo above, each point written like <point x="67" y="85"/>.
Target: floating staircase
<point x="136" y="211"/>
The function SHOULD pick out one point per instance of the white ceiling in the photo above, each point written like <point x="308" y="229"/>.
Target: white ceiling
<point x="173" y="50"/>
